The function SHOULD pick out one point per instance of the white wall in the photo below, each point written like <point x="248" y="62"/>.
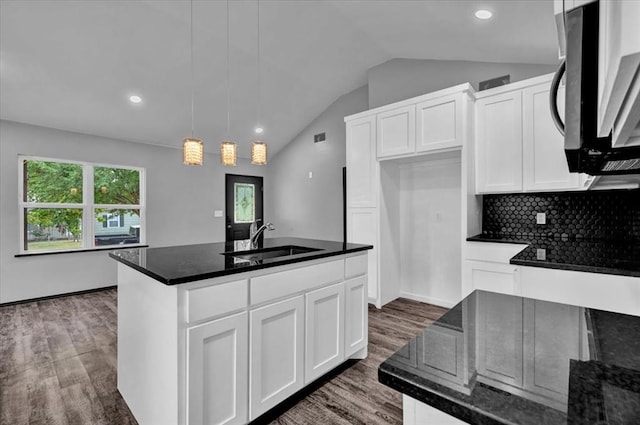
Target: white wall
<point x="312" y="208"/>
<point x="400" y="79"/>
<point x="430" y="229"/>
<point x="180" y="205"/>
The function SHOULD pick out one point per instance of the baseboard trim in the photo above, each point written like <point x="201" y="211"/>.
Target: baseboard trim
<point x="428" y="300"/>
<point x="51" y="297"/>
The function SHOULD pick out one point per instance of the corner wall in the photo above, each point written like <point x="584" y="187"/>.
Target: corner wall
<point x="400" y="79"/>
<point x="180" y="205"/>
<point x="312" y="207"/>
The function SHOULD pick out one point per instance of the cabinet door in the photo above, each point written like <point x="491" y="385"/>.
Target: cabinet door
<point x="356" y="315"/>
<point x="396" y="131"/>
<point x="499" y="143"/>
<point x="493" y="277"/>
<point x="439" y="123"/>
<point x="545" y="164"/>
<point x="362" y="227"/>
<point x="217" y="387"/>
<point x="276" y="354"/>
<point x="499" y="338"/>
<point x="362" y="166"/>
<point x="324" y="331"/>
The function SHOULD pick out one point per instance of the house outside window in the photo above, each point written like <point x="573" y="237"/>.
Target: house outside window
<point x="69" y="205"/>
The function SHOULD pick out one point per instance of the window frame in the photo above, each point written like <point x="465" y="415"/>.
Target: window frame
<point x="87" y="205"/>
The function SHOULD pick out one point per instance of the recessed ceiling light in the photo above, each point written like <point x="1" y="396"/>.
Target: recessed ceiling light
<point x="259" y="130"/>
<point x="483" y="14"/>
<point x="135" y="99"/>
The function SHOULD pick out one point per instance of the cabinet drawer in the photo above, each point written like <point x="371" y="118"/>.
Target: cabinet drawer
<point x="278" y="285"/>
<point x="355" y="266"/>
<point x="215" y="300"/>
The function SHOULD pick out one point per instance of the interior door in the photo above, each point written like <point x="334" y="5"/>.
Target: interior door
<point x="243" y="205"/>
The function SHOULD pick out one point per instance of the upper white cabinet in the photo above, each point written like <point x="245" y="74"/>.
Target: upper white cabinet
<point x="499" y="143"/>
<point x="518" y="148"/>
<point x="618" y="66"/>
<point x="439" y="123"/>
<point x="362" y="167"/>
<point x="396" y="131"/>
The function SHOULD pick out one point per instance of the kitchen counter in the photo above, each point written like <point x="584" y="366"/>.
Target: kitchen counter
<point x="180" y="264"/>
<point x="497" y="358"/>
<point x="595" y="256"/>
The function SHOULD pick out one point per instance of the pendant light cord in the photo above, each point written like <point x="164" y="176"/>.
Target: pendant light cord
<point x="192" y="79"/>
<point x="228" y="81"/>
<point x="259" y="69"/>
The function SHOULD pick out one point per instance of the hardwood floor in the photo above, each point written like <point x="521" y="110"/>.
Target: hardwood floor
<point x="58" y="366"/>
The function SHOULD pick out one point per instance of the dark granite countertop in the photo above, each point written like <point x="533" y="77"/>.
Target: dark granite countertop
<point x="187" y="263"/>
<point x="501" y="359"/>
<point x="594" y="256"/>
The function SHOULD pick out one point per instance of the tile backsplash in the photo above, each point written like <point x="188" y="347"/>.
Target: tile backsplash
<point x="606" y="215"/>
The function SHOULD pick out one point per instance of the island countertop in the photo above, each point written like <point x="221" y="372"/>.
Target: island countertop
<point x="497" y="358"/>
<point x="187" y="263"/>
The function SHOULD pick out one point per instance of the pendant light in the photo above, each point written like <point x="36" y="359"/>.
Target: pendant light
<point x="258" y="147"/>
<point x="192" y="148"/>
<point x="228" y="149"/>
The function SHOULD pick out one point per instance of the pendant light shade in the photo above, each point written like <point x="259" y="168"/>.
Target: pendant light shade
<point x="192" y="151"/>
<point x="259" y="153"/>
<point x="228" y="153"/>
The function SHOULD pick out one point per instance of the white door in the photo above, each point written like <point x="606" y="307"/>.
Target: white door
<point x="545" y="164"/>
<point x="217" y="379"/>
<point x="362" y="166"/>
<point x="499" y="143"/>
<point x="396" y="131"/>
<point x="276" y="353"/>
<point x="324" y="333"/>
<point x="439" y="123"/>
<point x="356" y="315"/>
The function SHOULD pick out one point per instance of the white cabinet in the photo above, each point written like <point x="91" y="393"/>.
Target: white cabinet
<point x="362" y="167"/>
<point x="618" y="76"/>
<point x="499" y="143"/>
<point x="362" y="227"/>
<point x="356" y="315"/>
<point x="519" y="148"/>
<point x="493" y="277"/>
<point x="544" y="161"/>
<point x="324" y="326"/>
<point x="396" y="130"/>
<point x="217" y="385"/>
<point x="276" y="354"/>
<point x="439" y="123"/>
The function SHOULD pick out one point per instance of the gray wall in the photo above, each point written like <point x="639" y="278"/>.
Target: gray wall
<point x="180" y="205"/>
<point x="312" y="208"/>
<point x="400" y="79"/>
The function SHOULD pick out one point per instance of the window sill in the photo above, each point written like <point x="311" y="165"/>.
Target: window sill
<point x="110" y="248"/>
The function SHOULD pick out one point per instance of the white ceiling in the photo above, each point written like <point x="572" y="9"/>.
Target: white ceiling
<point x="72" y="64"/>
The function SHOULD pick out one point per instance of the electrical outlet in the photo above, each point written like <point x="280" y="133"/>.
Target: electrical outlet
<point x="541" y="254"/>
<point x="217" y="213"/>
<point x="541" y="218"/>
<point x="310" y="174"/>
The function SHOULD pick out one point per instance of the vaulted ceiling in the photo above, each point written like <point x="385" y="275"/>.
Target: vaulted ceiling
<point x="73" y="64"/>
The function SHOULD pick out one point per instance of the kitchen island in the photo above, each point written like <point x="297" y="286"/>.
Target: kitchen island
<point x="215" y="333"/>
<point x="502" y="359"/>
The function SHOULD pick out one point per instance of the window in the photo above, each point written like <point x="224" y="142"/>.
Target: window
<point x="244" y="201"/>
<point x="68" y="205"/>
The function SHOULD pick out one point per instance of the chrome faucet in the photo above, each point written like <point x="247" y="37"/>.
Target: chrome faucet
<point x="255" y="232"/>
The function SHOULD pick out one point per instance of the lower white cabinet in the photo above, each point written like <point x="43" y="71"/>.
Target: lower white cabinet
<point x="356" y="316"/>
<point x="493" y="277"/>
<point x="276" y="353"/>
<point x="217" y="385"/>
<point x="324" y="325"/>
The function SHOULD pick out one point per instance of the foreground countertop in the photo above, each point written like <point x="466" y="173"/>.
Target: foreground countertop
<point x="573" y="365"/>
<point x="187" y="263"/>
<point x="594" y="256"/>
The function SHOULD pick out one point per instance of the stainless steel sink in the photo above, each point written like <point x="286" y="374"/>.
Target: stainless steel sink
<point x="274" y="252"/>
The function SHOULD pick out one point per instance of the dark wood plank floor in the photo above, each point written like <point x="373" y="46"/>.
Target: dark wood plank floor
<point x="58" y="366"/>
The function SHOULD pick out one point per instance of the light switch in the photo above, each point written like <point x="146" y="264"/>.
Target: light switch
<point x="217" y="213"/>
<point x="541" y="254"/>
<point x="541" y="218"/>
